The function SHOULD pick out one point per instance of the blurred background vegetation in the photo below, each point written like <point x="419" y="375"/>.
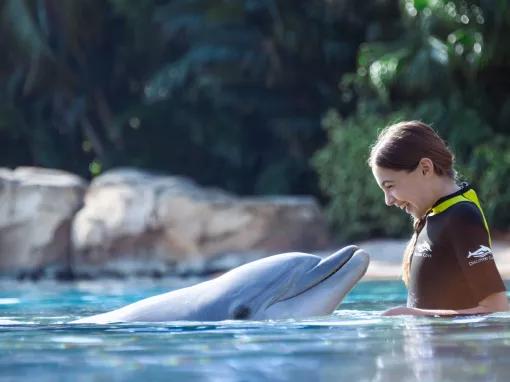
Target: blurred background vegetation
<point x="258" y="96"/>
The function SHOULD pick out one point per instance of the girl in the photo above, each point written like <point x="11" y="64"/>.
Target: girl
<point x="448" y="265"/>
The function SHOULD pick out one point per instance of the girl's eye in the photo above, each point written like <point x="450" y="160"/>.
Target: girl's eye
<point x="389" y="187"/>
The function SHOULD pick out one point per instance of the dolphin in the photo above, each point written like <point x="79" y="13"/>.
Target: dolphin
<point x="288" y="285"/>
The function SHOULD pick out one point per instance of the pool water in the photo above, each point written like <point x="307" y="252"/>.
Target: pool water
<point x="353" y="344"/>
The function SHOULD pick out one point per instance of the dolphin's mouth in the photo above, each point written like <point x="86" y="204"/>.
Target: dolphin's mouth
<point x="325" y="269"/>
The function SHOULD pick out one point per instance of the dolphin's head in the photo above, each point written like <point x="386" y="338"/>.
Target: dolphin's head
<point x="292" y="285"/>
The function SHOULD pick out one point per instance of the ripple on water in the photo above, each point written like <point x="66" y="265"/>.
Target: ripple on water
<point x="9" y="301"/>
<point x="8" y="322"/>
<point x="354" y="343"/>
<point x="79" y="340"/>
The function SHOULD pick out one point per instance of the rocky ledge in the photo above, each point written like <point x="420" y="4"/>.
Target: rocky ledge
<point x="131" y="222"/>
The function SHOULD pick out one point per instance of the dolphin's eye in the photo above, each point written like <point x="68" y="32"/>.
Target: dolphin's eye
<point x="241" y="312"/>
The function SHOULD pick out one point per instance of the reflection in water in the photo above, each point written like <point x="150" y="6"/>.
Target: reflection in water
<point x="419" y="352"/>
<point x="447" y="349"/>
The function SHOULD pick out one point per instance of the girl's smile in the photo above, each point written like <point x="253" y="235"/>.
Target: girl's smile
<point x="415" y="191"/>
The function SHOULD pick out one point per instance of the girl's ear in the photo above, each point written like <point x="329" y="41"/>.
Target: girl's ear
<point x="426" y="166"/>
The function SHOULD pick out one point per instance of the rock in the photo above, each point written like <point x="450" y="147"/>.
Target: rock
<point x="36" y="209"/>
<point x="130" y="214"/>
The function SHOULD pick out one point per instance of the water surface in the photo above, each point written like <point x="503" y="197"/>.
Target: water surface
<point x="353" y="344"/>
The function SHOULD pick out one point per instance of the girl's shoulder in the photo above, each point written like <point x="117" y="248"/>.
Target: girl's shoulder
<point x="463" y="214"/>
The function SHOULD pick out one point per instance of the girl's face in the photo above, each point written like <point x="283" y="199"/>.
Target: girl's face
<point x="407" y="190"/>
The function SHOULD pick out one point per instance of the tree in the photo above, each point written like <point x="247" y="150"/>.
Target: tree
<point x="228" y="92"/>
<point x="446" y="65"/>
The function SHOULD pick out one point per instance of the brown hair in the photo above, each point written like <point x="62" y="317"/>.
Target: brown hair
<point x="401" y="147"/>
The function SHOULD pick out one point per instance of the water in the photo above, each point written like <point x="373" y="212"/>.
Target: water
<point x="353" y="344"/>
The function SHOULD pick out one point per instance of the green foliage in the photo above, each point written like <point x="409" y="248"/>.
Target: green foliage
<point x="446" y="66"/>
<point x="231" y="93"/>
<point x="357" y="209"/>
<point x="489" y="167"/>
<point x="228" y="92"/>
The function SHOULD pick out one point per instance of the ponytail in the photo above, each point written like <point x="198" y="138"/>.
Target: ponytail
<point x="408" y="253"/>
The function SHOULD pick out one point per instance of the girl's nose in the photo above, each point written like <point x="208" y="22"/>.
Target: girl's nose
<point x="389" y="199"/>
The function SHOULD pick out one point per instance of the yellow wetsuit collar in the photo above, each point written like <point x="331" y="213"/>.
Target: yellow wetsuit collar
<point x="465" y="194"/>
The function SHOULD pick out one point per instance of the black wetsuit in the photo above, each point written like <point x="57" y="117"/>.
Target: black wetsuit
<point x="452" y="266"/>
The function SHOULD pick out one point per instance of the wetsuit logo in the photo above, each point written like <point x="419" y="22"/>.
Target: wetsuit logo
<point x="481" y="254"/>
<point x="423" y="250"/>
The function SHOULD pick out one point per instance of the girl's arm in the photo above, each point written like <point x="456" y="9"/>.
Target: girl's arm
<point x="496" y="302"/>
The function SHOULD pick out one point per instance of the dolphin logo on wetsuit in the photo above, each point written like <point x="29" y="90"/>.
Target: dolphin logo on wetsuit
<point x="480" y="252"/>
